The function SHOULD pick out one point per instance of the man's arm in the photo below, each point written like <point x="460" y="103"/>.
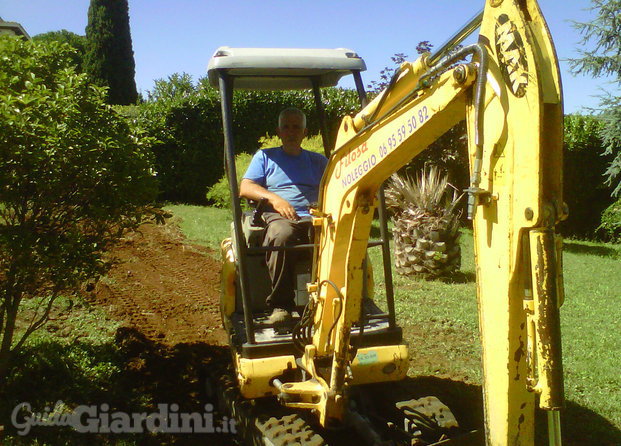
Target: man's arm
<point x="254" y="191"/>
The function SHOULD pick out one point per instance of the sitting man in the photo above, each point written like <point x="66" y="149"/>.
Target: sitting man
<point x="288" y="178"/>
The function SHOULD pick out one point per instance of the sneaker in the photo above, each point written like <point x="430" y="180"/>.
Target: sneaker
<point x="279" y="316"/>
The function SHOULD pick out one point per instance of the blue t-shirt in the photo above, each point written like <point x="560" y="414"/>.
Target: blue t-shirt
<point x="295" y="178"/>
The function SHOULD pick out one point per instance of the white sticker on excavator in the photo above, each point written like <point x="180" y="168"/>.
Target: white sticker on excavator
<point x="367" y="358"/>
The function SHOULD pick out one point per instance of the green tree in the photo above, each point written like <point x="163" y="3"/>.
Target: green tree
<point x="109" y="59"/>
<point x="73" y="178"/>
<point x="77" y="42"/>
<point x="604" y="32"/>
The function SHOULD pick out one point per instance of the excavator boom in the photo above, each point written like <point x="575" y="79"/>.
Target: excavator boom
<point x="510" y="95"/>
<point x="507" y="88"/>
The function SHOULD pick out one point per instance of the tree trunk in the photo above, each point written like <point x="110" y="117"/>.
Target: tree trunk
<point x="8" y="331"/>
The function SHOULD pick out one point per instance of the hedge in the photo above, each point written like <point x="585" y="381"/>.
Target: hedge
<point x="584" y="166"/>
<point x="186" y="120"/>
<point x="611" y="222"/>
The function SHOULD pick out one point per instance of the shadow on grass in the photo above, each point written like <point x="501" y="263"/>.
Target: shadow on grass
<point x="581" y="248"/>
<point x="131" y="375"/>
<point x="580" y="426"/>
<point x="461" y="277"/>
<point x="134" y="374"/>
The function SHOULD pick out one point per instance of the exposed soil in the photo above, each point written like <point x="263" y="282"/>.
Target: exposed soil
<point x="163" y="287"/>
<point x="165" y="293"/>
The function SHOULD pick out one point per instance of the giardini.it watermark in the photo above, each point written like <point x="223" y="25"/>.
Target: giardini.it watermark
<point x="100" y="420"/>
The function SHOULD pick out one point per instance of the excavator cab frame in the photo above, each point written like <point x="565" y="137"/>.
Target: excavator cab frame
<point x="286" y="69"/>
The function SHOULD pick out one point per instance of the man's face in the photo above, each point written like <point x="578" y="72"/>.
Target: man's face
<point x="291" y="130"/>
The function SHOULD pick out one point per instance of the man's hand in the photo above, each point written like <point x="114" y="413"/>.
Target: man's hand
<point x="284" y="208"/>
<point x="254" y="191"/>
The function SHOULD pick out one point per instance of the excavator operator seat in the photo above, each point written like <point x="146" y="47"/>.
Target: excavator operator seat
<point x="259" y="274"/>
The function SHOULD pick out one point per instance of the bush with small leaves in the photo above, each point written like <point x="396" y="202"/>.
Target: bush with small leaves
<point x="73" y="177"/>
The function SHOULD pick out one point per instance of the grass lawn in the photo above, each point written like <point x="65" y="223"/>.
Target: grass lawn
<point x="440" y="322"/>
<point x="193" y="221"/>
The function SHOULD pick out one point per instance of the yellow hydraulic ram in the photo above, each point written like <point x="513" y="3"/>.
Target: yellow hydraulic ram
<point x="544" y="327"/>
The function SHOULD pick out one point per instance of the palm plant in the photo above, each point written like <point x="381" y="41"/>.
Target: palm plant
<point x="426" y="224"/>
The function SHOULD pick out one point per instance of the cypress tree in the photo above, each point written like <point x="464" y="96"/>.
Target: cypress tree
<point x="109" y="59"/>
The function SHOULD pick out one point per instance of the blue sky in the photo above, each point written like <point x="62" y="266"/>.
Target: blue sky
<point x="181" y="35"/>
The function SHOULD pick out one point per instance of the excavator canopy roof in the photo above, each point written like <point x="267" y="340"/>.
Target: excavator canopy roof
<point x="283" y="68"/>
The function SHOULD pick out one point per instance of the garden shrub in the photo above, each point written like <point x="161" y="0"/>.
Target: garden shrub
<point x="186" y="122"/>
<point x="73" y="177"/>
<point x="611" y="222"/>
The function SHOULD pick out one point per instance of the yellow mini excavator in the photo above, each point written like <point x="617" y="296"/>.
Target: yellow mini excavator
<point x="313" y="384"/>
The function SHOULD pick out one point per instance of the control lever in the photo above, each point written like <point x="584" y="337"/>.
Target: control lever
<point x="257" y="214"/>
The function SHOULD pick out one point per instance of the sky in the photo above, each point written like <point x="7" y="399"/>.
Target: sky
<point x="179" y="36"/>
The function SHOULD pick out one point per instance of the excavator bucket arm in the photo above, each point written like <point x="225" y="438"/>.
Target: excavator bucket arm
<point x="517" y="171"/>
<point x="510" y="95"/>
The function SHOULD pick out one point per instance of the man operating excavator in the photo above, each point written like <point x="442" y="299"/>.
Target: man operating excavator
<point x="288" y="178"/>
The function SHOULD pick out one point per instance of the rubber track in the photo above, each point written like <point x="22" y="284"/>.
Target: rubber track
<point x="288" y="430"/>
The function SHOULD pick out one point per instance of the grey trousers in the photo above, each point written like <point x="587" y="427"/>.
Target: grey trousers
<point x="283" y="232"/>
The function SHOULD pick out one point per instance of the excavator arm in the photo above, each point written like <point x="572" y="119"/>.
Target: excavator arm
<point x="509" y="92"/>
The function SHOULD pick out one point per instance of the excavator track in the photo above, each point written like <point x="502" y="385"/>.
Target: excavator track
<point x="288" y="430"/>
<point x="265" y="422"/>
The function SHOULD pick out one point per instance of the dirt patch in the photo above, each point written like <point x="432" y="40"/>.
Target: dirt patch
<point x="165" y="293"/>
<point x="163" y="287"/>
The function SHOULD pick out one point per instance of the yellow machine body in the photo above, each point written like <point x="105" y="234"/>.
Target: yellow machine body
<point x="510" y="95"/>
<point x="370" y="364"/>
